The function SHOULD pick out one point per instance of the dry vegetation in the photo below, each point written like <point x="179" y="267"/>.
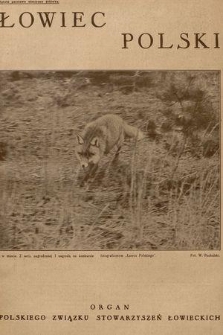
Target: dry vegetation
<point x="162" y="194"/>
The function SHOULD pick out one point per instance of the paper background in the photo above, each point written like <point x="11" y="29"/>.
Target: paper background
<point x="169" y="283"/>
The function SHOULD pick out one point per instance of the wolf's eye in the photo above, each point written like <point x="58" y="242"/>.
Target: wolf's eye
<point x="80" y="153"/>
<point x="89" y="155"/>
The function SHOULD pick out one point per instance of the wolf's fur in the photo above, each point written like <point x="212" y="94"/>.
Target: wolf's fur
<point x="102" y="135"/>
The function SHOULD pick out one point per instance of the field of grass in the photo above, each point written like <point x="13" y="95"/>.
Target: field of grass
<point x="163" y="193"/>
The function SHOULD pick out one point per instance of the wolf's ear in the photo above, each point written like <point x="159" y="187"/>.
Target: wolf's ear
<point x="80" y="139"/>
<point x="94" y="142"/>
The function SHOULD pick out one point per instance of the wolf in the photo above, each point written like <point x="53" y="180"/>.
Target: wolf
<point x="101" y="136"/>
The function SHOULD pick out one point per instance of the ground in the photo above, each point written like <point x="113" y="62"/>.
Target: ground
<point x="163" y="193"/>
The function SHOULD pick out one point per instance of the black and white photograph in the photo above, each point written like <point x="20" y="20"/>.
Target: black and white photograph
<point x="110" y="160"/>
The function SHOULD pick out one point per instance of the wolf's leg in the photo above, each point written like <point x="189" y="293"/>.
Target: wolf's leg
<point x="93" y="169"/>
<point x="116" y="156"/>
<point x="83" y="179"/>
<point x="118" y="150"/>
<point x="119" y="146"/>
<point x="88" y="174"/>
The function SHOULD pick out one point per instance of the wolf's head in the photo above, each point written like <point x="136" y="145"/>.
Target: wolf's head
<point x="88" y="153"/>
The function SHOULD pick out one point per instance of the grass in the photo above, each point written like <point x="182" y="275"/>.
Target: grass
<point x="155" y="197"/>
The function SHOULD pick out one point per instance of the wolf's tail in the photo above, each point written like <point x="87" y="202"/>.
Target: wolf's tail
<point x="134" y="132"/>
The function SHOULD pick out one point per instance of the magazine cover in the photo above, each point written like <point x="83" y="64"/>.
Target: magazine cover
<point x="110" y="167"/>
